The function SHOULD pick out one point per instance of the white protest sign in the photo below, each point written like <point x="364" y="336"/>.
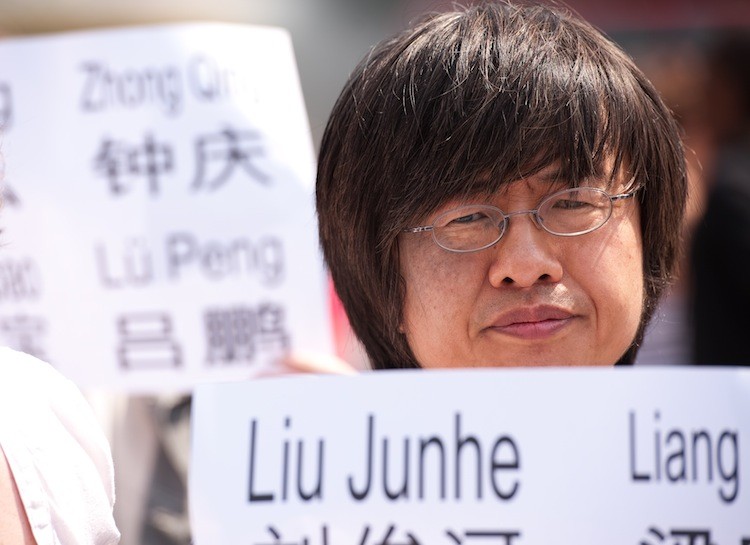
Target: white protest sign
<point x="159" y="226"/>
<point x="580" y="456"/>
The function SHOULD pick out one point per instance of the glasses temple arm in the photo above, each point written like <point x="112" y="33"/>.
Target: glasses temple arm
<point x="421" y="229"/>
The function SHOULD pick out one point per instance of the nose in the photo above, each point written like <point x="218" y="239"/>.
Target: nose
<point x="526" y="255"/>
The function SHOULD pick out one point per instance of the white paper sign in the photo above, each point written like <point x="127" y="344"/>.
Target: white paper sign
<point x="633" y="456"/>
<point x="158" y="227"/>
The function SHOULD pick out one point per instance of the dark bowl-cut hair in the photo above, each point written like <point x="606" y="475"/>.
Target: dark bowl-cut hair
<point x="459" y="105"/>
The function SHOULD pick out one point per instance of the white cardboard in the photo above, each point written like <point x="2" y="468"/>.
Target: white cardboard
<point x="597" y="454"/>
<point x="158" y="227"/>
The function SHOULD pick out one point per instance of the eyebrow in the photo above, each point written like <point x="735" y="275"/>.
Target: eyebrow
<point x="552" y="177"/>
<point x="596" y="180"/>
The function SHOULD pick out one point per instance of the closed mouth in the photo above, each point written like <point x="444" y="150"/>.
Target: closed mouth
<point x="532" y="323"/>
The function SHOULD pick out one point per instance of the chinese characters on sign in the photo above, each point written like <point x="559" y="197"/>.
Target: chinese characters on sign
<point x="234" y="335"/>
<point x="217" y="158"/>
<point x="218" y="155"/>
<point x="24" y="333"/>
<point x="684" y="536"/>
<point x="392" y="536"/>
<point x="6" y="106"/>
<point x="121" y="164"/>
<point x="146" y="342"/>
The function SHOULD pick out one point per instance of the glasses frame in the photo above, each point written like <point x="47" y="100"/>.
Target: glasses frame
<point x="534" y="216"/>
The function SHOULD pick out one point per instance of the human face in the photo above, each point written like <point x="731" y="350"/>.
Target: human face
<point x="532" y="299"/>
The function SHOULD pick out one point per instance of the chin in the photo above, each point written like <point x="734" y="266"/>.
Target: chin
<point x="536" y="359"/>
<point x="516" y="357"/>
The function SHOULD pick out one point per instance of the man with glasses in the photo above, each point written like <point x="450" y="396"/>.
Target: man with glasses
<point x="500" y="187"/>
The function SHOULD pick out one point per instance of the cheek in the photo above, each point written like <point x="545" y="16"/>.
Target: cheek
<point x="631" y="255"/>
<point x="618" y="286"/>
<point x="433" y="288"/>
<point x="439" y="296"/>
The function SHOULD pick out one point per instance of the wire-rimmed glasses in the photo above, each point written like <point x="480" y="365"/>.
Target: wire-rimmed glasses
<point x="566" y="213"/>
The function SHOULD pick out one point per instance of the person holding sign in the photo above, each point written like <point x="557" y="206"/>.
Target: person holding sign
<point x="500" y="186"/>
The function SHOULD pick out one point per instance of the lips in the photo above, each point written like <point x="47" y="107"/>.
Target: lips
<point x="533" y="323"/>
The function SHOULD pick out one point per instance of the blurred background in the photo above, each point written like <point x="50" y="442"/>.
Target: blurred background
<point x="697" y="52"/>
<point x="330" y="36"/>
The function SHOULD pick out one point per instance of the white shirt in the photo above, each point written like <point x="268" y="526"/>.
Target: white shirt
<point x="57" y="453"/>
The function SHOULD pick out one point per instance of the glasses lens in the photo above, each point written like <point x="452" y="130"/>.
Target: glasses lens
<point x="575" y="211"/>
<point x="468" y="228"/>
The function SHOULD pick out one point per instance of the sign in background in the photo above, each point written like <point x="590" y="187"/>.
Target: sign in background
<point x="158" y="222"/>
<point x="631" y="457"/>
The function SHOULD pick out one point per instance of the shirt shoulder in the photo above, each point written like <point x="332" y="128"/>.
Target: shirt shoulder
<point x="59" y="457"/>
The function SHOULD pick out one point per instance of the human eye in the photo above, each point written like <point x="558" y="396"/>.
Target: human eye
<point x="468" y="227"/>
<point x="576" y="200"/>
<point x="467" y="219"/>
<point x="569" y="204"/>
